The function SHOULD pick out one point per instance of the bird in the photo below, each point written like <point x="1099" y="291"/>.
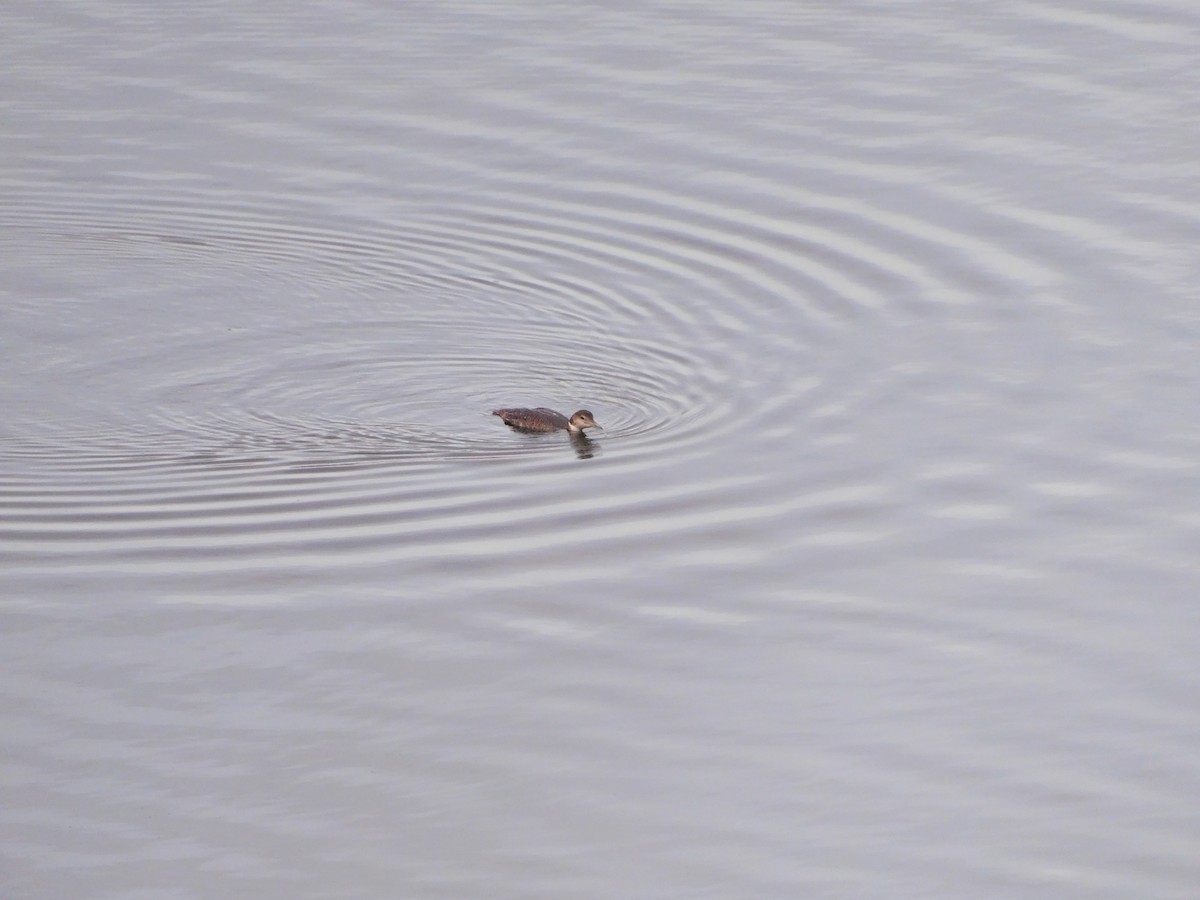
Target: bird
<point x="542" y="419"/>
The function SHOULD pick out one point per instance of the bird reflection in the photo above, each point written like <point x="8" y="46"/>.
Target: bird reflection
<point x="585" y="448"/>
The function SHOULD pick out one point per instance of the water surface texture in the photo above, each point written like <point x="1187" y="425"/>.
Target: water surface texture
<point x="881" y="581"/>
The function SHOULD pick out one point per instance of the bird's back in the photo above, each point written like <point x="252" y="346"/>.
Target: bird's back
<point x="539" y="419"/>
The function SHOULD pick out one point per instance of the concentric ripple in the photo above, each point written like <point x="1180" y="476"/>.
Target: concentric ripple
<point x="738" y="298"/>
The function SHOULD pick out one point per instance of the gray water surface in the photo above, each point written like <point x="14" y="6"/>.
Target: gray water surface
<point x="881" y="581"/>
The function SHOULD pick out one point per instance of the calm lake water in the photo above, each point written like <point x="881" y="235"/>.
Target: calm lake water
<point x="882" y="579"/>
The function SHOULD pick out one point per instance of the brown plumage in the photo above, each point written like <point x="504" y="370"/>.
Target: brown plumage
<point x="542" y="419"/>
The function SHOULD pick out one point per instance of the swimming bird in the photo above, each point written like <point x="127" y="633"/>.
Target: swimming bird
<point x="542" y="419"/>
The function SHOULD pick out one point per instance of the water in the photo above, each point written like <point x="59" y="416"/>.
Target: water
<point x="880" y="581"/>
